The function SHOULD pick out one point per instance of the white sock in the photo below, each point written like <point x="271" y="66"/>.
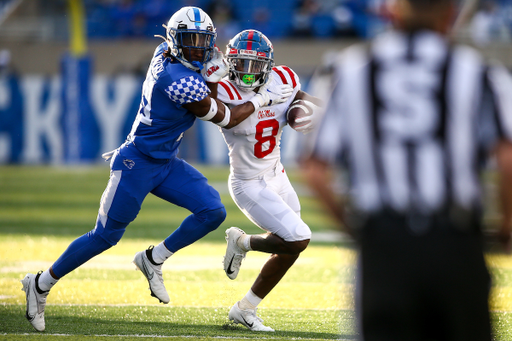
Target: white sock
<point x="250" y="301"/>
<point x="161" y="253"/>
<point x="46" y="281"/>
<point x="244" y="242"/>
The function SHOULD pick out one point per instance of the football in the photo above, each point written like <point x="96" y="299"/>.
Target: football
<point x="298" y="109"/>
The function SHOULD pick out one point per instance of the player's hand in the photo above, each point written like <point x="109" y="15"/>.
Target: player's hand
<point x="304" y="124"/>
<point x="278" y="94"/>
<point x="302" y="116"/>
<point x="216" y="68"/>
<point x="266" y="96"/>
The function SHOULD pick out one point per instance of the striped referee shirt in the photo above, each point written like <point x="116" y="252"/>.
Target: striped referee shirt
<point x="413" y="117"/>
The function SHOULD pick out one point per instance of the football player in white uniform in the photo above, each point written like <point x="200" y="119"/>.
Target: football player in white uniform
<point x="258" y="182"/>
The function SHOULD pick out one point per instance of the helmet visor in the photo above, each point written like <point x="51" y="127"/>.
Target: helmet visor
<point x="195" y="39"/>
<point x="249" y="70"/>
<point x="250" y="65"/>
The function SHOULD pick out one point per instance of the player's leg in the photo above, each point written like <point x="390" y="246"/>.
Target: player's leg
<point x="277" y="264"/>
<point x="128" y="185"/>
<point x="263" y="201"/>
<point x="272" y="204"/>
<point x="185" y="186"/>
<point x="387" y="298"/>
<point x="119" y="205"/>
<point x="182" y="185"/>
<point x="462" y="288"/>
<point x="105" y="235"/>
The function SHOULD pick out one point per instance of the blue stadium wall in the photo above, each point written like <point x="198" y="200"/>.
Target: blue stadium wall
<point x="72" y="118"/>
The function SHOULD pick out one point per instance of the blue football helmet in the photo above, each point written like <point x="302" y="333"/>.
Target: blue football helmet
<point x="190" y="31"/>
<point x="250" y="57"/>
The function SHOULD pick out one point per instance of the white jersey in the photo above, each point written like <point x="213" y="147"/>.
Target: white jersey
<point x="254" y="144"/>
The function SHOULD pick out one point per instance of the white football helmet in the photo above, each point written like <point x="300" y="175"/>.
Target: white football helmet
<point x="189" y="32"/>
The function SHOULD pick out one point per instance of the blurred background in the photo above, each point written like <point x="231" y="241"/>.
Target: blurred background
<point x="71" y="71"/>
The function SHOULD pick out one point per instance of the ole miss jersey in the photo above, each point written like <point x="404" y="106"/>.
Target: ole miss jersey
<point x="254" y="143"/>
<point x="162" y="119"/>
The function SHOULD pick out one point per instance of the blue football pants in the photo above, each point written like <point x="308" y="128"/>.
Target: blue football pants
<point x="133" y="175"/>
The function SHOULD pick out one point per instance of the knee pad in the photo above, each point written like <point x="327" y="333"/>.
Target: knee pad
<point x="110" y="230"/>
<point x="213" y="218"/>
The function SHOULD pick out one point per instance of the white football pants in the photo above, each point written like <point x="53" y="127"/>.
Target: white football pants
<point x="271" y="203"/>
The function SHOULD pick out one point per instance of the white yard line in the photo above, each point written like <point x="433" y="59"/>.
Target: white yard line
<point x="258" y="337"/>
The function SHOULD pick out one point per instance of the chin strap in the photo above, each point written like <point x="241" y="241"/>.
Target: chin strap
<point x="197" y="65"/>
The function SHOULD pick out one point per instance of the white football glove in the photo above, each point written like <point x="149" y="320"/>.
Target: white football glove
<point x="266" y="97"/>
<point x="216" y="68"/>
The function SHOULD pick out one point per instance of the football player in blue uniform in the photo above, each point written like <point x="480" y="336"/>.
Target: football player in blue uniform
<point x="181" y="84"/>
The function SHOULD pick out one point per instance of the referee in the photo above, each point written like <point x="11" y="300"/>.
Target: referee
<point x="413" y="118"/>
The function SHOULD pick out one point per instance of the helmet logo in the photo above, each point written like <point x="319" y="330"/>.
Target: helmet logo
<point x="197" y="18"/>
<point x="248" y="79"/>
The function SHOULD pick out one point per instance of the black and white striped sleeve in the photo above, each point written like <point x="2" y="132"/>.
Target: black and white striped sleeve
<point x="329" y="137"/>
<point x="500" y="87"/>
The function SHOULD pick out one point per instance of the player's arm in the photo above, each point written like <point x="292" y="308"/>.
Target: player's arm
<point x="306" y="122"/>
<point x="319" y="159"/>
<point x="213" y="89"/>
<point x="499" y="87"/>
<point x="211" y="109"/>
<point x="504" y="161"/>
<point x="307" y="97"/>
<point x="319" y="176"/>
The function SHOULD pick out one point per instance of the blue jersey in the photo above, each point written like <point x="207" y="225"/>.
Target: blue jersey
<point x="162" y="119"/>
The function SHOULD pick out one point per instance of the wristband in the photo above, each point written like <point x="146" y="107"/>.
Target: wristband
<point x="227" y="117"/>
<point x="212" y="112"/>
<point x="255" y="101"/>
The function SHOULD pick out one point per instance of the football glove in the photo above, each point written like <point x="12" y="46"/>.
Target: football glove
<point x="267" y="97"/>
<point x="216" y="68"/>
<point x="307" y="123"/>
<point x="306" y="128"/>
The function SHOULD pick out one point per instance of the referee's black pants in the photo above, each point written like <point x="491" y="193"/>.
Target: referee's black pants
<point x="431" y="284"/>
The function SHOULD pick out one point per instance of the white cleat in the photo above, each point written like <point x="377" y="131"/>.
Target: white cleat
<point x="36" y="301"/>
<point x="153" y="274"/>
<point x="248" y="318"/>
<point x="234" y="254"/>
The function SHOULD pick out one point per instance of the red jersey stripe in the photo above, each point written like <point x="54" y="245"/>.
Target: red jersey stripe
<point x="228" y="90"/>
<point x="235" y="90"/>
<point x="292" y="76"/>
<point x="231" y="90"/>
<point x="281" y="75"/>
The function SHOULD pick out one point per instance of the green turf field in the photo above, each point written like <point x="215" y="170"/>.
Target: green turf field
<point x="42" y="209"/>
